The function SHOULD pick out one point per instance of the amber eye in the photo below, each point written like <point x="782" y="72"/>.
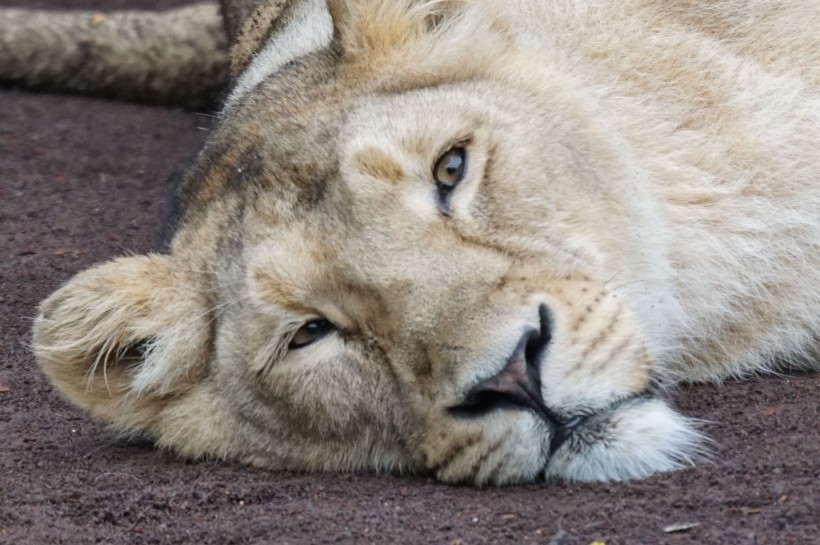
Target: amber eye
<point x="449" y="171"/>
<point x="310" y="333"/>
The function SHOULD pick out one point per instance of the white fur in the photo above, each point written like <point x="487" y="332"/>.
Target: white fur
<point x="640" y="438"/>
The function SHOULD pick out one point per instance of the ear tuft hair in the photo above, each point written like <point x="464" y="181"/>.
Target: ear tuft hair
<point x="418" y="42"/>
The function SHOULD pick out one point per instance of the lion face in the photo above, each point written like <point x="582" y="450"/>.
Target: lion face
<point x="398" y="275"/>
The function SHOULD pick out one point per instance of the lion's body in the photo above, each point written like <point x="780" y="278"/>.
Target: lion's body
<point x="718" y="105"/>
<point x="639" y="199"/>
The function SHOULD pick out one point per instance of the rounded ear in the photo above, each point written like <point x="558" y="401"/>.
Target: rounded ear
<point x="121" y="338"/>
<point x="267" y="35"/>
<point x="416" y="42"/>
<point x="248" y="24"/>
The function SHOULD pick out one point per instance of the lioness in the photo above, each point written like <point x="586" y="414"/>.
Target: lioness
<point x="470" y="238"/>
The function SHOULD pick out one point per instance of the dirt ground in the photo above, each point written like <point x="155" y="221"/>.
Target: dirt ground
<point x="83" y="180"/>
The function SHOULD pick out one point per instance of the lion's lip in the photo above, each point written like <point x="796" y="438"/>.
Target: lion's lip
<point x="564" y="430"/>
<point x="571" y="424"/>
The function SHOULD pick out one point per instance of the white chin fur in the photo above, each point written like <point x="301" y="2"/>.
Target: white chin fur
<point x="637" y="439"/>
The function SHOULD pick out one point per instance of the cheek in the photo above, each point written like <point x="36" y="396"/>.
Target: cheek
<point x="597" y="355"/>
<point x="331" y="391"/>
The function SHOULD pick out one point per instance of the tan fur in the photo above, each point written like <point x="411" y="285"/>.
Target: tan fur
<point x="649" y="172"/>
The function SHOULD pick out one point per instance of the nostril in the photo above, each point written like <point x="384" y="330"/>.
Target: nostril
<point x="480" y="402"/>
<point x="518" y="385"/>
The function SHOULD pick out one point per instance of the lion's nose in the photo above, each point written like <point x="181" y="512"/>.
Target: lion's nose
<point x="518" y="385"/>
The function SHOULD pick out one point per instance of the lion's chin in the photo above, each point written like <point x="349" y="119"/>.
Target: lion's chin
<point x="633" y="441"/>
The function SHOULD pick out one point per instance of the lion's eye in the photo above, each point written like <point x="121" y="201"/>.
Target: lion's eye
<point x="449" y="171"/>
<point x="310" y="333"/>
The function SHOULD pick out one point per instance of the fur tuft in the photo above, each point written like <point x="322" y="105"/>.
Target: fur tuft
<point x="641" y="438"/>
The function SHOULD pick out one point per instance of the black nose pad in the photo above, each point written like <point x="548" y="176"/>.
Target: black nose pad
<point x="518" y="385"/>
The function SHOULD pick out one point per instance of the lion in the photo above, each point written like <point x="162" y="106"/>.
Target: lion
<point x="470" y="239"/>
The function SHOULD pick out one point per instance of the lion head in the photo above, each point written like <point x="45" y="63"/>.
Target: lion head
<point x="397" y="253"/>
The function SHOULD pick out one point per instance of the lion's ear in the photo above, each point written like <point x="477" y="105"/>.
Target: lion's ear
<point x="248" y="24"/>
<point x="274" y="32"/>
<point x="388" y="18"/>
<point x="121" y="338"/>
<point x="370" y="29"/>
<point x="417" y="38"/>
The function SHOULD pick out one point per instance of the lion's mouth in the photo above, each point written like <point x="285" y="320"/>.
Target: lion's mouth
<point x="518" y="386"/>
<point x="574" y="424"/>
<point x="633" y="437"/>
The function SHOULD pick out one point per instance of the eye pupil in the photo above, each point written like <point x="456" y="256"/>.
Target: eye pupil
<point x="311" y="332"/>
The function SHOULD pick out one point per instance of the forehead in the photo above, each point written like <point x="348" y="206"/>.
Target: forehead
<point x="312" y="152"/>
<point x="290" y="137"/>
<point x="279" y="140"/>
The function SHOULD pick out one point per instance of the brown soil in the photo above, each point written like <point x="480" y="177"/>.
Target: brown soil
<point x="84" y="180"/>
